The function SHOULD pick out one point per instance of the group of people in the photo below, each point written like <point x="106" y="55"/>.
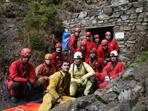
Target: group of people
<point x="60" y="76"/>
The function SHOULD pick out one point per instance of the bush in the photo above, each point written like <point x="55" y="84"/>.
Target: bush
<point x="36" y="42"/>
<point x="42" y="16"/>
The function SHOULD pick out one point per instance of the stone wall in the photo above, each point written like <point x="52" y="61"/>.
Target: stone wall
<point x="130" y="18"/>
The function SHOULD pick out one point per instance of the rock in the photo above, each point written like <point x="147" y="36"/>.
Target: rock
<point x="94" y="22"/>
<point x="100" y="21"/>
<point x="82" y="15"/>
<point x="80" y="104"/>
<point x="129" y="72"/>
<point x="91" y="1"/>
<point x="125" y="27"/>
<point x="141" y="15"/>
<point x="139" y="10"/>
<point x="93" y="108"/>
<point x="130" y="11"/>
<point x="103" y="17"/>
<point x="137" y="4"/>
<point x="84" y="22"/>
<point x="133" y="16"/>
<point x="146" y="86"/>
<point x="126" y="106"/>
<point x="141" y="105"/>
<point x="137" y="89"/>
<point x="117" y="14"/>
<point x="145" y="19"/>
<point x="118" y="2"/>
<point x="125" y="7"/>
<point x="132" y="84"/>
<point x="105" y="97"/>
<point x="94" y="12"/>
<point x="140" y="27"/>
<point x="124" y="17"/>
<point x="125" y="95"/>
<point x="108" y="10"/>
<point x="140" y="108"/>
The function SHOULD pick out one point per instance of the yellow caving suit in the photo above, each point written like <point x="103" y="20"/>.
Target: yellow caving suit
<point x="57" y="90"/>
<point x="84" y="71"/>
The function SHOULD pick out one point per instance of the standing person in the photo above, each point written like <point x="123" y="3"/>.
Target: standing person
<point x="97" y="41"/>
<point x="65" y="38"/>
<point x="83" y="49"/>
<point x="58" y="89"/>
<point x="72" y="43"/>
<point x="21" y="76"/>
<point x="81" y="75"/>
<point x="43" y="71"/>
<point x="89" y="43"/>
<point x="111" y="70"/>
<point x="58" y="56"/>
<point x="112" y="43"/>
<point x="103" y="53"/>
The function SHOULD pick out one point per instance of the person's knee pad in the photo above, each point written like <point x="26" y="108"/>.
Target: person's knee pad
<point x="16" y="86"/>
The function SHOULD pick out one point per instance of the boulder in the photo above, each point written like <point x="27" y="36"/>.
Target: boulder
<point x="108" y="10"/>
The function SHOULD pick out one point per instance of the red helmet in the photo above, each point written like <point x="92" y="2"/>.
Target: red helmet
<point x="58" y="45"/>
<point x="93" y="50"/>
<point x="104" y="42"/>
<point x="96" y="36"/>
<point x="77" y="29"/>
<point x="83" y="42"/>
<point x="108" y="33"/>
<point x="88" y="34"/>
<point x="26" y="52"/>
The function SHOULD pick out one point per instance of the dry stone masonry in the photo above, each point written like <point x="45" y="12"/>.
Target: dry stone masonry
<point x="129" y="21"/>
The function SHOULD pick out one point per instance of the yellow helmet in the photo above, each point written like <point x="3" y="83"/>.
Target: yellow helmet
<point x="48" y="56"/>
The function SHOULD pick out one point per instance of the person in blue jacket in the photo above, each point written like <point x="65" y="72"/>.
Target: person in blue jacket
<point x="65" y="38"/>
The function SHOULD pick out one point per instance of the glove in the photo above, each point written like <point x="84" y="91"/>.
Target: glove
<point x="84" y="83"/>
<point x="107" y="79"/>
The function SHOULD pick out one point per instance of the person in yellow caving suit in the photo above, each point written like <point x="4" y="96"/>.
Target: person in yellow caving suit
<point x="58" y="89"/>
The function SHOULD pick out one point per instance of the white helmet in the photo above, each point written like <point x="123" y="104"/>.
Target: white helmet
<point x="113" y="53"/>
<point x="77" y="55"/>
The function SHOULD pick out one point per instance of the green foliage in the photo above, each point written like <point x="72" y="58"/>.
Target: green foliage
<point x="42" y="16"/>
<point x="36" y="42"/>
<point x="2" y="51"/>
<point x="140" y="60"/>
<point x="19" y="31"/>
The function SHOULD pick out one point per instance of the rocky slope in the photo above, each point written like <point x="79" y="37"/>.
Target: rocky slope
<point x="126" y="93"/>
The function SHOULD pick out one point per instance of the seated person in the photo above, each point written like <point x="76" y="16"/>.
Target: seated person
<point x="21" y="76"/>
<point x="43" y="71"/>
<point x="81" y="74"/>
<point x="111" y="70"/>
<point x="58" y="89"/>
